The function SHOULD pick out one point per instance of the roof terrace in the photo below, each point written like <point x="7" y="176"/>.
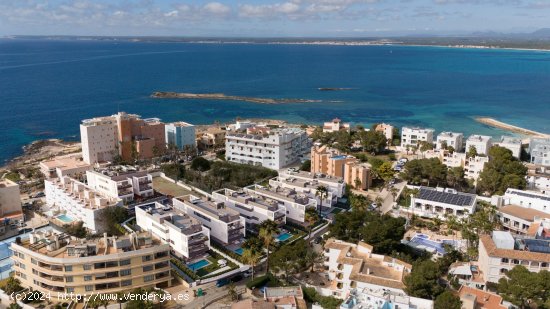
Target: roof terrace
<point x="216" y="210"/>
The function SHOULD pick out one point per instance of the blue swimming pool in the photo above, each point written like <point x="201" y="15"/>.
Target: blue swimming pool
<point x="65" y="218"/>
<point x="239" y="251"/>
<point x="198" y="265"/>
<point x="284" y="236"/>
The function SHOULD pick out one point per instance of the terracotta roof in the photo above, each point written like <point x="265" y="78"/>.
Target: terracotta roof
<point x="493" y="251"/>
<point x="524" y="213"/>
<point x="251" y="304"/>
<point x="533" y="229"/>
<point x="484" y="300"/>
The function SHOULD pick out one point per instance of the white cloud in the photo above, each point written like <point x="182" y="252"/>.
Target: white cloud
<point x="217" y="8"/>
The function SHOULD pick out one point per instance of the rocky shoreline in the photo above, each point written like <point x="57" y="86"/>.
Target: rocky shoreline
<point x="221" y="96"/>
<point x="508" y="127"/>
<point x="40" y="150"/>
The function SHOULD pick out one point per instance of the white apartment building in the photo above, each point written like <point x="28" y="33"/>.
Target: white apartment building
<point x="455" y="159"/>
<point x="225" y="224"/>
<point x="274" y="150"/>
<point x="367" y="280"/>
<point x="72" y="201"/>
<point x="385" y="129"/>
<point x="511" y="143"/>
<point x="99" y="137"/>
<point x="451" y="139"/>
<point x="187" y="237"/>
<point x="473" y="166"/>
<point x="413" y="136"/>
<point x="60" y="167"/>
<point x="294" y="202"/>
<point x="10" y="204"/>
<point x="539" y="150"/>
<point x="335" y="185"/>
<point x="336" y="125"/>
<point x="481" y="143"/>
<point x="123" y="185"/>
<point x="519" y="219"/>
<point x="500" y="252"/>
<point x="439" y="203"/>
<point x="254" y="209"/>
<point x="527" y="199"/>
<point x="181" y="134"/>
<point x="538" y="179"/>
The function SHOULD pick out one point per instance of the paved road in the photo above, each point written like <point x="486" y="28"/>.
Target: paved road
<point x="387" y="205"/>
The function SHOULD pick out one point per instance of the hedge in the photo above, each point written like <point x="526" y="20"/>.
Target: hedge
<point x="223" y="249"/>
<point x="327" y="302"/>
<point x="259" y="281"/>
<point x="185" y="269"/>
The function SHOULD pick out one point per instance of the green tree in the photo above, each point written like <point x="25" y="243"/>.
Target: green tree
<point x="373" y="141"/>
<point x="12" y="285"/>
<point x="425" y="146"/>
<point x="472" y="152"/>
<point x="306" y="166"/>
<point x="268" y="229"/>
<point x="14" y="305"/>
<point x="200" y="164"/>
<point x="423" y="280"/>
<point x="311" y="217"/>
<point x="358" y="202"/>
<point x="385" y="171"/>
<point x="251" y="257"/>
<point x="322" y="193"/>
<point x="232" y="292"/>
<point x="313" y="258"/>
<point x="503" y="171"/>
<point x="447" y="300"/>
<point x="523" y="288"/>
<point x="76" y="229"/>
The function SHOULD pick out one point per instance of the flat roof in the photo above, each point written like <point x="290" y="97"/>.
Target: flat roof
<point x="458" y="199"/>
<point x="478" y="138"/>
<point x="6" y="183"/>
<point x="65" y="163"/>
<point x="524" y="213"/>
<point x="214" y="209"/>
<point x="449" y="134"/>
<point x="527" y="194"/>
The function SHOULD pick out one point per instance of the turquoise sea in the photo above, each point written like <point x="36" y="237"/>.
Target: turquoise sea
<point x="48" y="86"/>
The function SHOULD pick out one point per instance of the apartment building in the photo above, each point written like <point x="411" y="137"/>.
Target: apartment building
<point x="412" y="136"/>
<point x="451" y="159"/>
<point x="512" y="144"/>
<point x="295" y="203"/>
<point x="450" y="139"/>
<point x="500" y="252"/>
<point x="481" y="143"/>
<point x="52" y="263"/>
<point x="527" y="199"/>
<point x="291" y="297"/>
<point x="99" y="138"/>
<point x="254" y="209"/>
<point x="473" y="298"/>
<point x="331" y="162"/>
<point x="10" y="204"/>
<point x="473" y="167"/>
<point x="385" y="129"/>
<point x="59" y="167"/>
<point x="308" y="183"/>
<point x="225" y="224"/>
<point x="279" y="148"/>
<point x="187" y="237"/>
<point x="121" y="185"/>
<point x="72" y="201"/>
<point x="210" y="138"/>
<point x="538" y="179"/>
<point x="336" y="125"/>
<point x="367" y="280"/>
<point x="539" y="151"/>
<point x="440" y="203"/>
<point x="180" y="134"/>
<point x="146" y="136"/>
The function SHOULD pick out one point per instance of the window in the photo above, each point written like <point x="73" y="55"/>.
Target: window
<point x="504" y="260"/>
<point x="148" y="278"/>
<point x="87" y="266"/>
<point x="146" y="258"/>
<point x="88" y="278"/>
<point x="69" y="268"/>
<point x="89" y="288"/>
<point x="69" y="279"/>
<point x="125" y="262"/>
<point x="126" y="283"/>
<point x="33" y="261"/>
<point x="70" y="290"/>
<point x="125" y="272"/>
<point x="147" y="268"/>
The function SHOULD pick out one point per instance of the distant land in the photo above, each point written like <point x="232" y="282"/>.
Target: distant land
<point x="221" y="96"/>
<point x="539" y="39"/>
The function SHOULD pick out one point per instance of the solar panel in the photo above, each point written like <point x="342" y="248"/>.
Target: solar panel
<point x="526" y="194"/>
<point x="459" y="199"/>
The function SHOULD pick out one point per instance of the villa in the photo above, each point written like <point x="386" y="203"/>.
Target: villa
<point x="439" y="203"/>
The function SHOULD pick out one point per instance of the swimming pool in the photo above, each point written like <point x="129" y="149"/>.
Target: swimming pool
<point x="65" y="218"/>
<point x="198" y="265"/>
<point x="239" y="251"/>
<point x="284" y="236"/>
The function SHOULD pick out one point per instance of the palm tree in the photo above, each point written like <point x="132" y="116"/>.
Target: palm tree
<point x="379" y="201"/>
<point x="251" y="257"/>
<point x="357" y="182"/>
<point x="313" y="258"/>
<point x="268" y="228"/>
<point x="14" y="305"/>
<point x="232" y="292"/>
<point x="394" y="192"/>
<point x="120" y="297"/>
<point x="93" y="303"/>
<point x="322" y="193"/>
<point x="311" y="217"/>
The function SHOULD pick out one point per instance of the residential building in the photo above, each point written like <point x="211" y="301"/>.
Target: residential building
<point x="500" y="252"/>
<point x="367" y="280"/>
<point x="440" y="203"/>
<point x="74" y="201"/>
<point x="241" y="125"/>
<point x="519" y="219"/>
<point x="539" y="150"/>
<point x="481" y="143"/>
<point x="290" y="297"/>
<point x="473" y="166"/>
<point x="279" y="148"/>
<point x="331" y="162"/>
<point x="527" y="199"/>
<point x="180" y="134"/>
<point x="385" y="129"/>
<point x="225" y="224"/>
<point x="295" y="203"/>
<point x="187" y="237"/>
<point x="146" y="137"/>
<point x="452" y="159"/>
<point x="309" y="182"/>
<point x="10" y="204"/>
<point x="467" y="274"/>
<point x="473" y="298"/>
<point x="55" y="263"/>
<point x="538" y="179"/>
<point x="254" y="209"/>
<point x="59" y="167"/>
<point x="450" y="139"/>
<point x="210" y="138"/>
<point x="511" y="143"/>
<point x="99" y="138"/>
<point x="336" y="125"/>
<point x="413" y="136"/>
<point x="122" y="185"/>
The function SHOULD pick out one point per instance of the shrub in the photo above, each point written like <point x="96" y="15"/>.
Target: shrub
<point x="259" y="281"/>
<point x="327" y="302"/>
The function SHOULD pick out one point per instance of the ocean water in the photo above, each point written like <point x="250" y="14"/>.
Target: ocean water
<point x="47" y="87"/>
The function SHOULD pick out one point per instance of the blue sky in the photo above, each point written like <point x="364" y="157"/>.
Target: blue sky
<point x="268" y="18"/>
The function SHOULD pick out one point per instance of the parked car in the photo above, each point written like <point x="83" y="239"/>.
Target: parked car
<point x="39" y="194"/>
<point x="222" y="282"/>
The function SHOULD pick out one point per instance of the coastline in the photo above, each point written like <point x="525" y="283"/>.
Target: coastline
<point x="40" y="150"/>
<point x="508" y="127"/>
<point x="221" y="96"/>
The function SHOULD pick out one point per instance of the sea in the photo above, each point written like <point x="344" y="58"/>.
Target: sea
<point x="48" y="86"/>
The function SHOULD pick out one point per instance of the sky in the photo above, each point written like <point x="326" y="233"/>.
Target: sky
<point x="270" y="18"/>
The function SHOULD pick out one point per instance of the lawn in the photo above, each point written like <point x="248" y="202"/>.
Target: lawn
<point x="167" y="187"/>
<point x="213" y="266"/>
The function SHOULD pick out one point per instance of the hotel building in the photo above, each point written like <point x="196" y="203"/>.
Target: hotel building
<point x="481" y="143"/>
<point x="77" y="201"/>
<point x="279" y="148"/>
<point x="145" y="135"/>
<point x="225" y="224"/>
<point x="294" y="203"/>
<point x="367" y="280"/>
<point x="451" y="139"/>
<point x="336" y="125"/>
<point x="180" y="134"/>
<point x="121" y="185"/>
<point x="53" y="263"/>
<point x="439" y="203"/>
<point x="10" y="204"/>
<point x="500" y="252"/>
<point x="187" y="237"/>
<point x="539" y="150"/>
<point x="331" y="162"/>
<point x="59" y="167"/>
<point x="413" y="136"/>
<point x="99" y="138"/>
<point x="253" y="208"/>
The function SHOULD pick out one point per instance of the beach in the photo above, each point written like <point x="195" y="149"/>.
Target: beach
<point x="508" y="127"/>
